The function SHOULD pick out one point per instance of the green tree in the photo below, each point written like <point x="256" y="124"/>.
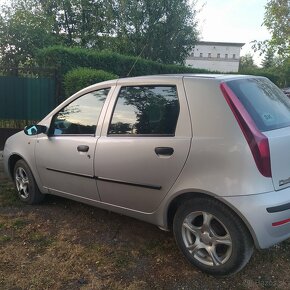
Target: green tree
<point x="280" y="66"/>
<point x="83" y="23"/>
<point x="269" y="58"/>
<point x="277" y="21"/>
<point x="277" y="49"/>
<point x="22" y="31"/>
<point x="247" y="62"/>
<point x="163" y="31"/>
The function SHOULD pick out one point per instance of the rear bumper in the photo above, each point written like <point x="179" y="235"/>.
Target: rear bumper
<point x="267" y="215"/>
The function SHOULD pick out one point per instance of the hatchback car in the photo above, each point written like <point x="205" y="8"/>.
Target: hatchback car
<point x="204" y="155"/>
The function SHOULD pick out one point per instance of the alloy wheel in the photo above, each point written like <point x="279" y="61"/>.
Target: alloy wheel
<point x="22" y="182"/>
<point x="206" y="238"/>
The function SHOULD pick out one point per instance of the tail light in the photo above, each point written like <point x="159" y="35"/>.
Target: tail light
<point x="257" y="141"/>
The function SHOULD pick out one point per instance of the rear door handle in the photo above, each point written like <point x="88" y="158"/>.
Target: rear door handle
<point x="167" y="151"/>
<point x="83" y="148"/>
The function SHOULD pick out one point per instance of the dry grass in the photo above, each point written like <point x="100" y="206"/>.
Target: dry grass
<point x="62" y="244"/>
<point x="34" y="258"/>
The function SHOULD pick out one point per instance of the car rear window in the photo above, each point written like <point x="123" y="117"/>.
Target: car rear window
<point x="268" y="106"/>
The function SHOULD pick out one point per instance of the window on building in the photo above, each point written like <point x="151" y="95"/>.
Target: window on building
<point x="209" y="55"/>
<point x="200" y="55"/>
<point x="218" y="55"/>
<point x="226" y="55"/>
<point x="234" y="56"/>
<point x="145" y="110"/>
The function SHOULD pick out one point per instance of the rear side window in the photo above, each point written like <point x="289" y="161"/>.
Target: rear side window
<point x="145" y="110"/>
<point x="268" y="106"/>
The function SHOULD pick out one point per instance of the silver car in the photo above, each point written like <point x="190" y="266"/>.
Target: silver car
<point x="206" y="156"/>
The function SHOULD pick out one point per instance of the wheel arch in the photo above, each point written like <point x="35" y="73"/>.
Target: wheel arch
<point x="12" y="162"/>
<point x="177" y="200"/>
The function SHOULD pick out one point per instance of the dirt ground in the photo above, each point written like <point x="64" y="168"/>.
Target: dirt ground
<point x="63" y="244"/>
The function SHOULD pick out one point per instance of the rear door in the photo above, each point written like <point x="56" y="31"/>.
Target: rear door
<point x="269" y="108"/>
<point x="144" y="144"/>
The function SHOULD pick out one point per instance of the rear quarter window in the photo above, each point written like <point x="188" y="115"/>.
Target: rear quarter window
<point x="268" y="106"/>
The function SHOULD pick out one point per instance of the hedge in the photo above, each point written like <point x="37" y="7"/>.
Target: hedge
<point x="81" y="77"/>
<point x="262" y="72"/>
<point x="66" y="59"/>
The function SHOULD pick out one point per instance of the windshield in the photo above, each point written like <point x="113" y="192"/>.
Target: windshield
<point x="268" y="106"/>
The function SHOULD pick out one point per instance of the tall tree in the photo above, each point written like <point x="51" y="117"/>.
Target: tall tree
<point x="246" y="62"/>
<point x="269" y="58"/>
<point x="277" y="49"/>
<point x="79" y="22"/>
<point x="22" y="31"/>
<point x="164" y="31"/>
<point x="277" y="21"/>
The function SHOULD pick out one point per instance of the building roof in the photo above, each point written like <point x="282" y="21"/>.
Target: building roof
<point x="237" y="44"/>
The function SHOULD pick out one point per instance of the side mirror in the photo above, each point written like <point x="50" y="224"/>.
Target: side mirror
<point x="35" y="130"/>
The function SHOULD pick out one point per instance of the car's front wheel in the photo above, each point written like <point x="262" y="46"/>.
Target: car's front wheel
<point x="25" y="184"/>
<point x="212" y="237"/>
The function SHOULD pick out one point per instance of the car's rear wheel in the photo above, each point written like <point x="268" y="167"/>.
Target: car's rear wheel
<point x="25" y="184"/>
<point x="212" y="237"/>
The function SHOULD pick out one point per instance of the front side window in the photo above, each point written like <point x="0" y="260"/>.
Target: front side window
<point x="145" y="110"/>
<point x="80" y="117"/>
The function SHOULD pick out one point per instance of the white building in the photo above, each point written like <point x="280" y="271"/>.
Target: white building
<point x="215" y="56"/>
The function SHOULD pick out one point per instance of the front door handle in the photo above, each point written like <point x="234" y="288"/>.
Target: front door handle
<point x="167" y="151"/>
<point x="83" y="148"/>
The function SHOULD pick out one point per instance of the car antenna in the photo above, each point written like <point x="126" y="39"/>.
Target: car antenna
<point x="128" y="74"/>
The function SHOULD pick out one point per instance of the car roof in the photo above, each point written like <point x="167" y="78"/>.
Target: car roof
<point x="168" y="77"/>
<point x="178" y="76"/>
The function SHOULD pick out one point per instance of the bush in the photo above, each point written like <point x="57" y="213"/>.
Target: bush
<point x="80" y="78"/>
<point x="66" y="59"/>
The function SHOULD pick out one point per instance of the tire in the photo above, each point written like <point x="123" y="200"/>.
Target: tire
<point x="212" y="237"/>
<point x="25" y="184"/>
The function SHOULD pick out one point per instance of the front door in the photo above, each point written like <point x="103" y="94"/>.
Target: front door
<point x="65" y="156"/>
<point x="144" y="146"/>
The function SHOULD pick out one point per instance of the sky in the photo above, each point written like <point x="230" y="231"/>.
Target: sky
<point x="233" y="21"/>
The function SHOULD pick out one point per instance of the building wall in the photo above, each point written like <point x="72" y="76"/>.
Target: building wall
<point x="222" y="57"/>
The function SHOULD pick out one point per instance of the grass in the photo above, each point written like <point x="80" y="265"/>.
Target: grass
<point x="39" y="239"/>
<point x="18" y="223"/>
<point x="4" y="239"/>
<point x="8" y="195"/>
<point x="65" y="245"/>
